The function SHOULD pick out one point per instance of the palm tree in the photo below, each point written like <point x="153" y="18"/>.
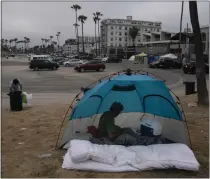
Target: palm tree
<point x="21" y="43"/>
<point x="82" y="19"/>
<point x="98" y="15"/>
<point x="2" y="41"/>
<point x="28" y="41"/>
<point x="25" y="42"/>
<point x="76" y="7"/>
<point x="200" y="63"/>
<point x="51" y="37"/>
<point x="58" y="35"/>
<point x="15" y="40"/>
<point x="95" y="20"/>
<point x="42" y="42"/>
<point x="10" y="42"/>
<point x="133" y="32"/>
<point x="6" y="41"/>
<point x="46" y="41"/>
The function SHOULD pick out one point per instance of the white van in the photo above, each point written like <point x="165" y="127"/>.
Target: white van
<point x="39" y="57"/>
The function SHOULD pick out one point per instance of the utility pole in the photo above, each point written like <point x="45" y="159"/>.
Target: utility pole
<point x="180" y="31"/>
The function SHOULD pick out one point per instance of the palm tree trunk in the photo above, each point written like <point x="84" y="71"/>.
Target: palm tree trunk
<point x="58" y="40"/>
<point x="99" y="52"/>
<point x="134" y="46"/>
<point x="83" y="45"/>
<point x="95" y="39"/>
<point x="200" y="64"/>
<point x="180" y="30"/>
<point x="77" y="33"/>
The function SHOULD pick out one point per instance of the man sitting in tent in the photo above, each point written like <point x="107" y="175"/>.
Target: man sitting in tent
<point x="107" y="127"/>
<point x="121" y="136"/>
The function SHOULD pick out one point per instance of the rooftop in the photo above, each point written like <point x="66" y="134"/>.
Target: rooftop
<point x="132" y="20"/>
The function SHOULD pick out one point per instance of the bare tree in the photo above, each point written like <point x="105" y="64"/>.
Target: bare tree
<point x="200" y="63"/>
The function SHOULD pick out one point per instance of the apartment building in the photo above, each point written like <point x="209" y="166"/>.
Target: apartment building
<point x="70" y="46"/>
<point x="115" y="33"/>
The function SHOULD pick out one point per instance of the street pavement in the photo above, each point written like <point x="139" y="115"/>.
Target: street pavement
<point x="65" y="79"/>
<point x="62" y="85"/>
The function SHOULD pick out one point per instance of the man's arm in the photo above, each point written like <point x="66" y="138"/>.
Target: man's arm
<point x="112" y="130"/>
<point x="21" y="86"/>
<point x="10" y="87"/>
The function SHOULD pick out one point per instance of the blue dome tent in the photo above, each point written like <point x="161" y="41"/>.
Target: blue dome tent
<point x="140" y="94"/>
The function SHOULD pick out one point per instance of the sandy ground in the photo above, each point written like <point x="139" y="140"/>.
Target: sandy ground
<point x="20" y="148"/>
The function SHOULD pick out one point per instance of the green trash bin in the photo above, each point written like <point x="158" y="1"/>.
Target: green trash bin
<point x="16" y="101"/>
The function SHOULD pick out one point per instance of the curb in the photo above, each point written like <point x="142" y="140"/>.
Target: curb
<point x="176" y="84"/>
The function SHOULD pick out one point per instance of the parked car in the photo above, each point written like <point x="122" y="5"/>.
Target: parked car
<point x="166" y="63"/>
<point x="43" y="64"/>
<point x="113" y="60"/>
<point x="94" y="65"/>
<point x="190" y="67"/>
<point x="73" y="62"/>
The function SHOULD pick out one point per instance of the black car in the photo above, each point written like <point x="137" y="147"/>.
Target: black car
<point x="43" y="64"/>
<point x="190" y="67"/>
<point x="166" y="63"/>
<point x="113" y="60"/>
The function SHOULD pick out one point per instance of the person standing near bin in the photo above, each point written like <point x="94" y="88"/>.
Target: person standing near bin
<point x="15" y="86"/>
<point x="15" y="94"/>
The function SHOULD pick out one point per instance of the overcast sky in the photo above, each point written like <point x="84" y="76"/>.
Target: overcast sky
<point x="38" y="20"/>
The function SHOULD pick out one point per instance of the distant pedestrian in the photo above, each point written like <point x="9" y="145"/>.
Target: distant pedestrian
<point x="15" y="86"/>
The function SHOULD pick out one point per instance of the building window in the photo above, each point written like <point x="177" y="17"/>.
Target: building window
<point x="158" y="30"/>
<point x="111" y="27"/>
<point x="120" y="45"/>
<point x="125" y="28"/>
<point x="145" y="29"/>
<point x="111" y="39"/>
<point x="120" y="39"/>
<point x="125" y="33"/>
<point x="111" y="33"/>
<point x="120" y="33"/>
<point x="120" y="27"/>
<point x="111" y="44"/>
